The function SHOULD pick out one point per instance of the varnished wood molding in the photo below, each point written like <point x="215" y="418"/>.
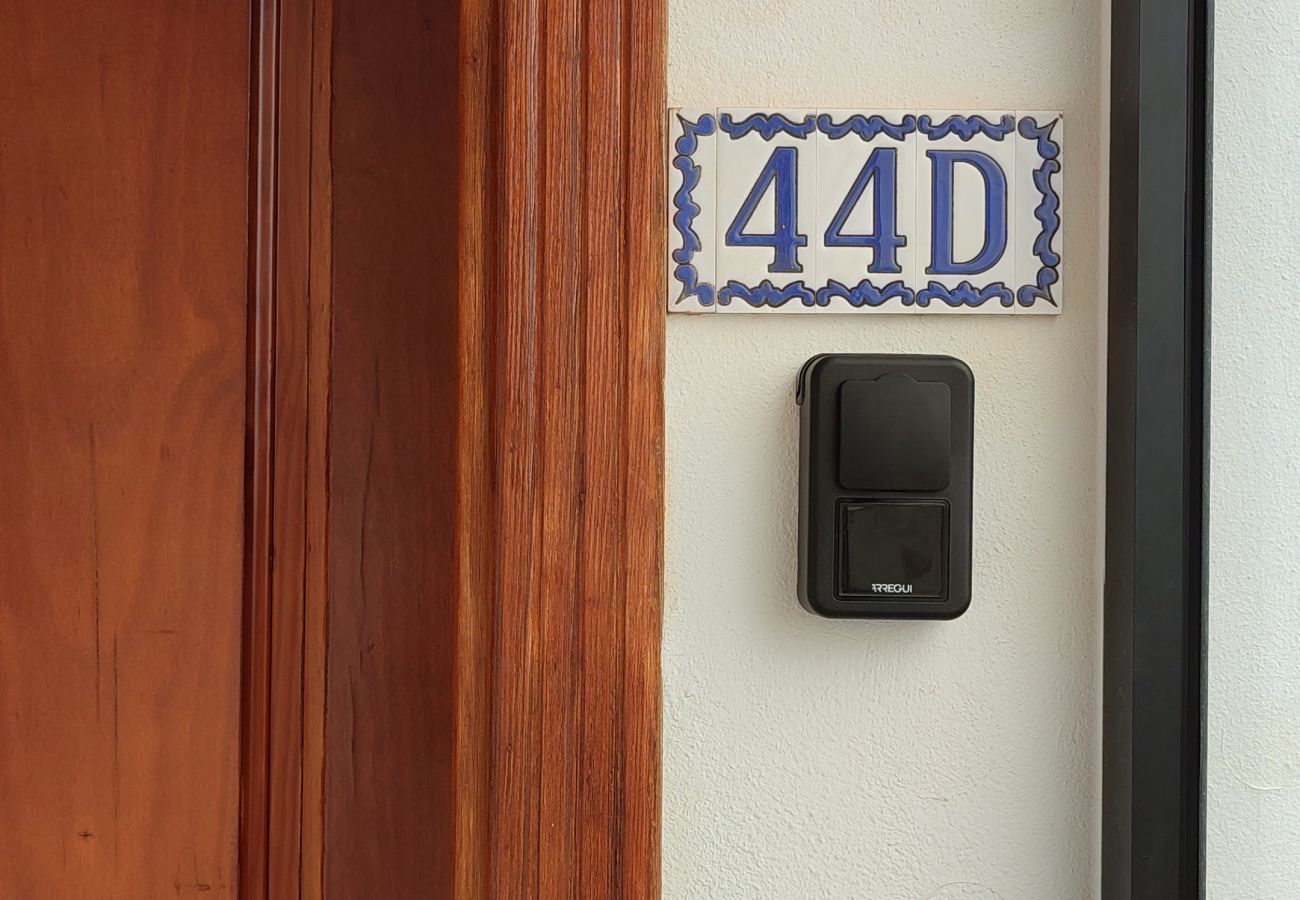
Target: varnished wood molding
<point x="281" y="799"/>
<point x="559" y="449"/>
<point x="455" y="451"/>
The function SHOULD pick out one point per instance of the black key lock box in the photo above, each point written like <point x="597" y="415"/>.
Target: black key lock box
<point x="885" y="485"/>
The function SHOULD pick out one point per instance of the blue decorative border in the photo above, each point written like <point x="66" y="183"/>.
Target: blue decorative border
<point x="765" y="293"/>
<point x="768" y="125"/>
<point x="687" y="209"/>
<point x="1048" y="212"/>
<point x="866" y="127"/>
<point x="966" y="127"/>
<point x="964" y="294"/>
<point x="865" y="293"/>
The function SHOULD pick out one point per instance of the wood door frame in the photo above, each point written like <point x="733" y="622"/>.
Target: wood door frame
<point x="553" y="281"/>
<point x="562" y="444"/>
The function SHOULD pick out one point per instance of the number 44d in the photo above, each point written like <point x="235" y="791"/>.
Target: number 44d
<point x="780" y="178"/>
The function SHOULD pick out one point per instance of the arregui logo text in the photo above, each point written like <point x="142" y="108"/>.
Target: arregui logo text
<point x="891" y="588"/>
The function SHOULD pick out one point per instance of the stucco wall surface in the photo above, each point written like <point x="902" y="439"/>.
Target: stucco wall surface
<point x="806" y="758"/>
<point x="1253" y="758"/>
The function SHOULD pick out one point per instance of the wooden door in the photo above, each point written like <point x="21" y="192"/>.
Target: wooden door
<point x="123" y="304"/>
<point x="330" y="496"/>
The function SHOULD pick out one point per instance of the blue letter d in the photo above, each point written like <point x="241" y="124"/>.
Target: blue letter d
<point x="941" y="205"/>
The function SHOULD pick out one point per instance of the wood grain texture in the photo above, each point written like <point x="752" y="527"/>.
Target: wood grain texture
<point x="316" y="502"/>
<point x="288" y="381"/>
<point x="560" y="449"/>
<point x="123" y="264"/>
<point x="295" y="484"/>
<point x="475" y="567"/>
<point x="388" y="779"/>
<point x="259" y="461"/>
<point x="378" y="384"/>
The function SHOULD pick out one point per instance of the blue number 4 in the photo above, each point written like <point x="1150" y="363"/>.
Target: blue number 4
<point x="881" y="166"/>
<point x="781" y="173"/>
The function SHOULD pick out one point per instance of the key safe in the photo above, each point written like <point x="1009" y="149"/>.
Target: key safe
<point x="885" y="485"/>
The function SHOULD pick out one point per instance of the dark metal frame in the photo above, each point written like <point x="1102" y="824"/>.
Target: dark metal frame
<point x="1154" y="661"/>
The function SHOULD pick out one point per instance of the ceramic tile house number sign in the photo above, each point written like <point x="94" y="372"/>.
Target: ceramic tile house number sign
<point x="847" y="211"/>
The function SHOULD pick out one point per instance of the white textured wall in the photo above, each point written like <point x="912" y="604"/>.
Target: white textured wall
<point x="806" y="758"/>
<point x="1253" y="841"/>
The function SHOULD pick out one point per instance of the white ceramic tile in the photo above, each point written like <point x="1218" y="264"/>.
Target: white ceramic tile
<point x="857" y="278"/>
<point x="748" y="144"/>
<point x="991" y="133"/>
<point x="720" y="161"/>
<point x="1039" y="167"/>
<point x="692" y="184"/>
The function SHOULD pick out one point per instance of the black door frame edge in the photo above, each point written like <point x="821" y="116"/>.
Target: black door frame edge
<point x="1153" y="776"/>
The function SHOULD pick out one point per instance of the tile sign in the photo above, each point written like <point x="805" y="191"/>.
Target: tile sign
<point x="845" y="211"/>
